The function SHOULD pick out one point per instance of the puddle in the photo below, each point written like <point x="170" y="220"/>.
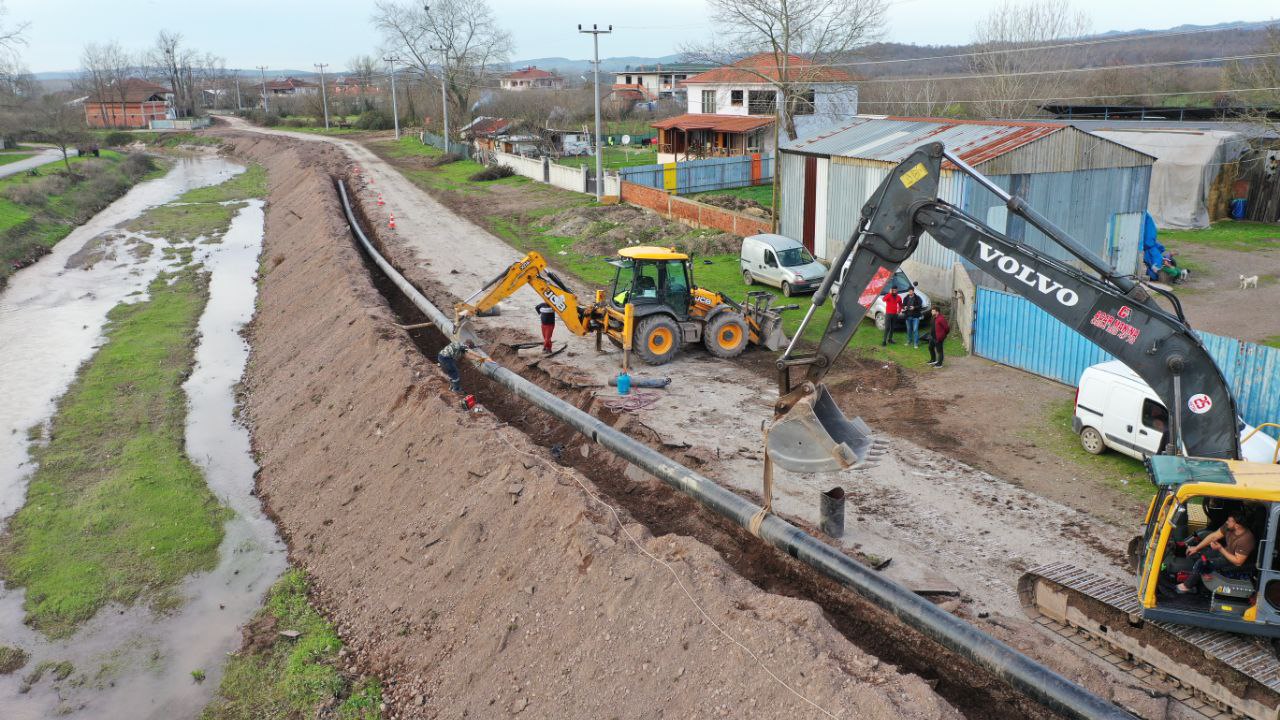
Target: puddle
<point x="129" y="662"/>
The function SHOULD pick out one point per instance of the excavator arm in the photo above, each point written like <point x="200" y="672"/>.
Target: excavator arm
<point x="532" y="270"/>
<point x="1113" y="311"/>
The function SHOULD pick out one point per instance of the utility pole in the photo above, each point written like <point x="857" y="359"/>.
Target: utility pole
<point x="444" y="94"/>
<point x="395" y="112"/>
<point x="263" y="69"/>
<point x="324" y="95"/>
<point x="596" y="32"/>
<point x="239" y="103"/>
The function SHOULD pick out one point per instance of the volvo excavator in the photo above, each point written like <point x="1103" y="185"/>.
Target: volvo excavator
<point x="653" y="307"/>
<point x="1214" y="643"/>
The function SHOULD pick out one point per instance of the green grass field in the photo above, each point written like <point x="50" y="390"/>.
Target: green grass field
<point x="1229" y="235"/>
<point x="454" y="176"/>
<point x="616" y="156"/>
<point x="6" y="158"/>
<point x="292" y="678"/>
<point x="762" y="194"/>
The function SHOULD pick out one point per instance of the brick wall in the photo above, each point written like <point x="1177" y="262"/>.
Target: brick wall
<point x="693" y="213"/>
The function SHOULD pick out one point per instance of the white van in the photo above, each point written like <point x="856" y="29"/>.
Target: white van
<point x="1116" y="409"/>
<point x="781" y="262"/>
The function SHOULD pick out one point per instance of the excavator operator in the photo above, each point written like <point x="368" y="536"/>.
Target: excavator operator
<point x="1228" y="549"/>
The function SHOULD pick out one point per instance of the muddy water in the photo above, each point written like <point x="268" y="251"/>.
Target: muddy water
<point x="129" y="662"/>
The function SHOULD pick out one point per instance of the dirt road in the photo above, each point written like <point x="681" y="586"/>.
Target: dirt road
<point x="944" y="523"/>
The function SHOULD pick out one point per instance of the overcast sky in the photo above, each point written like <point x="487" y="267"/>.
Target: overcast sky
<point x="296" y="33"/>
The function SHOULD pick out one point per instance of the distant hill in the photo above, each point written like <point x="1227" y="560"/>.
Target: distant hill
<point x="568" y="67"/>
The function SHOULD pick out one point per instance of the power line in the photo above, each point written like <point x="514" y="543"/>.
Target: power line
<point x="1060" y="71"/>
<point x="1059" y="98"/>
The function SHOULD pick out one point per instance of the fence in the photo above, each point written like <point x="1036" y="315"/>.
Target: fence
<point x="1010" y="330"/>
<point x="182" y="124"/>
<point x="694" y="213"/>
<point x="439" y="143"/>
<point x="693" y="176"/>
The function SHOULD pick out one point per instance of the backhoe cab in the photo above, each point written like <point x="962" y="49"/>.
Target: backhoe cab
<point x="653" y="308"/>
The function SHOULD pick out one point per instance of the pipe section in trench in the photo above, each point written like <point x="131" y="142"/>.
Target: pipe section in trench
<point x="1025" y="675"/>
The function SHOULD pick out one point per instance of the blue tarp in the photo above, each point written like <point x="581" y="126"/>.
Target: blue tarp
<point x="1152" y="250"/>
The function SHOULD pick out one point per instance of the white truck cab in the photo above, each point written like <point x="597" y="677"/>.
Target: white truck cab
<point x="1116" y="409"/>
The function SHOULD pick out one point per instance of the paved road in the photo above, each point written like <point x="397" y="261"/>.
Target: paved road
<point x="43" y="158"/>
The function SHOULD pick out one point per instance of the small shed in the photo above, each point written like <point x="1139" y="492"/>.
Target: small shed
<point x="1093" y="188"/>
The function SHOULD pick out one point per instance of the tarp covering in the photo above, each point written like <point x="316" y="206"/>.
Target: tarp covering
<point x="1187" y="164"/>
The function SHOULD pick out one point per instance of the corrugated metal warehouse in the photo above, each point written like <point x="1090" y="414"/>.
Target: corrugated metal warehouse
<point x="1093" y="188"/>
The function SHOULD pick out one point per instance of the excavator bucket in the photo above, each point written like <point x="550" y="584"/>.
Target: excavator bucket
<point x="814" y="436"/>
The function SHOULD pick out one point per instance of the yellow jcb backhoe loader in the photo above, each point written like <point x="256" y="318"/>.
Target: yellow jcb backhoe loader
<point x="652" y="308"/>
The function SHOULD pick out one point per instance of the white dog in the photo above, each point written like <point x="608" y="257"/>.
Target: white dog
<point x="1249" y="282"/>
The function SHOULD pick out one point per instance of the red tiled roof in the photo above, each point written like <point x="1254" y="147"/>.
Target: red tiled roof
<point x="135" y="90"/>
<point x="763" y="67"/>
<point x="721" y="123"/>
<point x="529" y="73"/>
<point x="485" y="127"/>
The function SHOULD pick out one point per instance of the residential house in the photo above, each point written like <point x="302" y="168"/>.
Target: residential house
<point x="483" y="132"/>
<point x="731" y="109"/>
<point x="648" y="83"/>
<point x="1093" y="188"/>
<point x="132" y="104"/>
<point x="292" y="86"/>
<point x="346" y="85"/>
<point x="531" y="78"/>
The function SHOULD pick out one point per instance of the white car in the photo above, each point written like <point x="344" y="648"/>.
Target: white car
<point x="1117" y="410"/>
<point x="781" y="262"/>
<point x="902" y="282"/>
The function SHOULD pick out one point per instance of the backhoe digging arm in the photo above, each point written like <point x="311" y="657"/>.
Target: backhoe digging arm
<point x="1113" y="311"/>
<point x="532" y="270"/>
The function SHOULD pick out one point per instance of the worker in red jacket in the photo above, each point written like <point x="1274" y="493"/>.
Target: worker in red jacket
<point x="938" y="330"/>
<point x="892" y="309"/>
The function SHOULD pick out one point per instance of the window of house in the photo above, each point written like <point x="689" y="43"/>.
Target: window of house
<point x="708" y="101"/>
<point x="628" y="80"/>
<point x="803" y="103"/>
<point x="761" y="102"/>
<point x="735" y="98"/>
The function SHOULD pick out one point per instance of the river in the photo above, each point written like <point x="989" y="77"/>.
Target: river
<point x="131" y="662"/>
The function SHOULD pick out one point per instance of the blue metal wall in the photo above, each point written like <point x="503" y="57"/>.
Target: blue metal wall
<point x="702" y="175"/>
<point x="1010" y="330"/>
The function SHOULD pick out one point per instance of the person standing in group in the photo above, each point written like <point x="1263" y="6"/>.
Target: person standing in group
<point x="912" y="306"/>
<point x="547" y="315"/>
<point x="892" y="309"/>
<point x="939" y="327"/>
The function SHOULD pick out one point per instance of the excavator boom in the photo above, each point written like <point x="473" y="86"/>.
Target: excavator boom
<point x="532" y="270"/>
<point x="1113" y="311"/>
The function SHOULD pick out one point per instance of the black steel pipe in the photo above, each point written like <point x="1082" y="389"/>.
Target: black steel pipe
<point x="1036" y="681"/>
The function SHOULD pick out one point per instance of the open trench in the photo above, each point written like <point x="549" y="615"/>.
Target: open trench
<point x="640" y="498"/>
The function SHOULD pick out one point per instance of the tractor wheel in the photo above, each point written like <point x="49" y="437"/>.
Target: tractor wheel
<point x="1092" y="442"/>
<point x="657" y="339"/>
<point x="726" y="335"/>
<point x="748" y="278"/>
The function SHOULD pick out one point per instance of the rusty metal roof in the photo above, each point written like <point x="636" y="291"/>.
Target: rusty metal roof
<point x="892" y="139"/>
<point x="722" y="123"/>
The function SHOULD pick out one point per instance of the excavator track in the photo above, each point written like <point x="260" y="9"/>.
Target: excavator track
<point x="1218" y="674"/>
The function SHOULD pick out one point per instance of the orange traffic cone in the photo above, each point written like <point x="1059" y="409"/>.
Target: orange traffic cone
<point x="392" y="222"/>
<point x="380" y="202"/>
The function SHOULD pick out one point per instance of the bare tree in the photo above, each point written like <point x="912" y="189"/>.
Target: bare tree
<point x="174" y="63"/>
<point x="821" y="32"/>
<point x="363" y="70"/>
<point x="1014" y="73"/>
<point x="101" y="68"/>
<point x="1258" y="73"/>
<point x="473" y="43"/>
<point x="59" y="122"/>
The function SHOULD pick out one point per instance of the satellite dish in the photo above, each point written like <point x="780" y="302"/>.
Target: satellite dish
<point x="626" y="139"/>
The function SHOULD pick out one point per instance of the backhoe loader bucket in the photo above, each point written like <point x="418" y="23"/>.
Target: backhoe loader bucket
<point x="815" y="436"/>
<point x="766" y="320"/>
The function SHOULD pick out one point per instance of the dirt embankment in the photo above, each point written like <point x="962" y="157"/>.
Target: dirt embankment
<point x="475" y="578"/>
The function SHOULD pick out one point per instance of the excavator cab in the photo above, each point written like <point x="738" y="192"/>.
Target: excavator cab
<point x="652" y="279"/>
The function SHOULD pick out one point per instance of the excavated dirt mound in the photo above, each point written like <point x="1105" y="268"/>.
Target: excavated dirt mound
<point x="474" y="576"/>
<point x="737" y="204"/>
